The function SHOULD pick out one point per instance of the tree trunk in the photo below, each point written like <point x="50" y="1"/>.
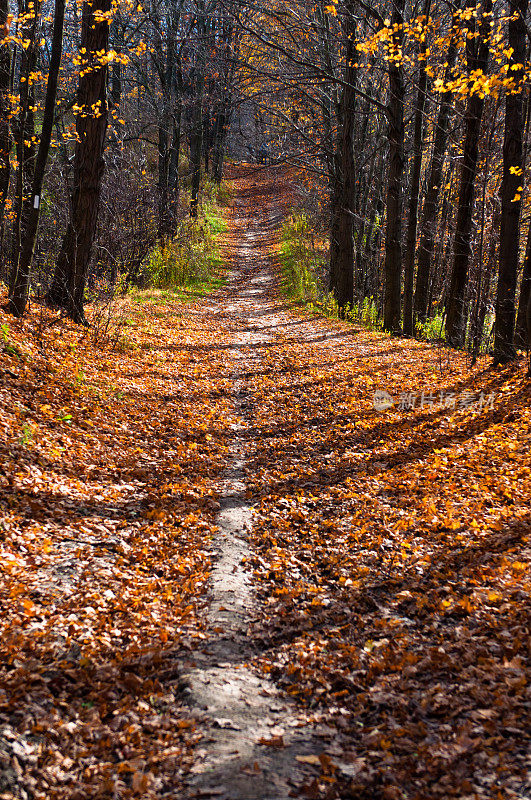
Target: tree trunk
<point x="342" y="205"/>
<point x="20" y="283"/>
<point x="483" y="290"/>
<point x="475" y="328"/>
<point x="414" y="188"/>
<point x="220" y="138"/>
<point x="173" y="175"/>
<point x="327" y="99"/>
<point x="393" y="233"/>
<point x="25" y="128"/>
<point x="521" y="337"/>
<point x="207" y="138"/>
<point x="477" y="59"/>
<point x="428" y="224"/>
<point x="362" y="202"/>
<point x="70" y="276"/>
<point x="163" y="168"/>
<point x="196" y="139"/>
<point x="115" y="86"/>
<point x="528" y="321"/>
<point x="511" y="191"/>
<point x="5" y="107"/>
<point x="164" y="62"/>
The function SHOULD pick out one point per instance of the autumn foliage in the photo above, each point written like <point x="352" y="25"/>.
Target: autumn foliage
<point x="109" y="459"/>
<point x="391" y="548"/>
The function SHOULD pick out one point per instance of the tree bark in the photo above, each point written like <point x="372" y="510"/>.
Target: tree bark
<point x="414" y="187"/>
<point x="220" y="138"/>
<point x="477" y="59"/>
<point x="327" y="99"/>
<point x="528" y="321"/>
<point x="115" y="86"/>
<point x="5" y="127"/>
<point x="521" y="333"/>
<point x="393" y="233"/>
<point x="70" y="276"/>
<point x="163" y="168"/>
<point x="483" y="289"/>
<point x="25" y="127"/>
<point x="342" y="205"/>
<point x="362" y="254"/>
<point x="511" y="190"/>
<point x="476" y="325"/>
<point x="20" y="283"/>
<point x="223" y="118"/>
<point x="428" y="223"/>
<point x="175" y="149"/>
<point x="196" y="139"/>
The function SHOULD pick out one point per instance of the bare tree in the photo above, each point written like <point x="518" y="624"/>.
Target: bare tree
<point x="393" y="233"/>
<point x="20" y="282"/>
<point x="511" y="189"/>
<point x="68" y="287"/>
<point x="477" y="48"/>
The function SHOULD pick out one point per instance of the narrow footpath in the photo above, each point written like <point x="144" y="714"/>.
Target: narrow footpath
<point x="248" y="552"/>
<point x="256" y="739"/>
<point x="371" y="559"/>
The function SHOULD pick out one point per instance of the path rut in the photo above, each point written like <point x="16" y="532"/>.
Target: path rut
<point x="253" y="733"/>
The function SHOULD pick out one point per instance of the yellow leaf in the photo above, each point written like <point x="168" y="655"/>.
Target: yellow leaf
<point x="308" y="760"/>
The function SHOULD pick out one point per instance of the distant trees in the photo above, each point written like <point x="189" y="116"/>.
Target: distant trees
<point x="197" y="132"/>
<point x="5" y="107"/>
<point x="24" y="138"/>
<point x="425" y="251"/>
<point x="414" y="187"/>
<point x="395" y="189"/>
<point x="477" y="58"/>
<point x="419" y="141"/>
<point x="409" y="123"/>
<point x="136" y="87"/>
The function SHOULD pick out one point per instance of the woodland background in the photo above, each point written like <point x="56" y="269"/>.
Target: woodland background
<point x="408" y="123"/>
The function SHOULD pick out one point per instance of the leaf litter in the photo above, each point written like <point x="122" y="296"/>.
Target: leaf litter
<point x="390" y="551"/>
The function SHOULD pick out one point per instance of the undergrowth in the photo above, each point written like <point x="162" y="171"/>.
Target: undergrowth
<point x="432" y="329"/>
<point x="300" y="261"/>
<point x="303" y="267"/>
<point x="189" y="263"/>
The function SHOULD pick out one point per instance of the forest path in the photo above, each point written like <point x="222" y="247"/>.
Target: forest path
<point x="358" y="553"/>
<point x="254" y="733"/>
<point x="226" y="574"/>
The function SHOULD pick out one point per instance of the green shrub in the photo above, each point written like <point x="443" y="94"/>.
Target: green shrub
<point x="302" y="268"/>
<point x="366" y="314"/>
<point x="191" y="257"/>
<point x="184" y="164"/>
<point x="181" y="261"/>
<point x="300" y="262"/>
<point x="432" y="329"/>
<point x="223" y="193"/>
<point x="217" y="194"/>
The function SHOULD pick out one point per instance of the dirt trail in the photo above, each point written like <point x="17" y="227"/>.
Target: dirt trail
<point x="352" y="620"/>
<point x="254" y="734"/>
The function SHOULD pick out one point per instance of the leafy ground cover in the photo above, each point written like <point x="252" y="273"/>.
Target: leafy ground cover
<point x="392" y="549"/>
<point x="109" y="461"/>
<point x="390" y="545"/>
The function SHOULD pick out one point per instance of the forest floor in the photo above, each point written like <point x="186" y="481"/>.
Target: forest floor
<point x="225" y="573"/>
